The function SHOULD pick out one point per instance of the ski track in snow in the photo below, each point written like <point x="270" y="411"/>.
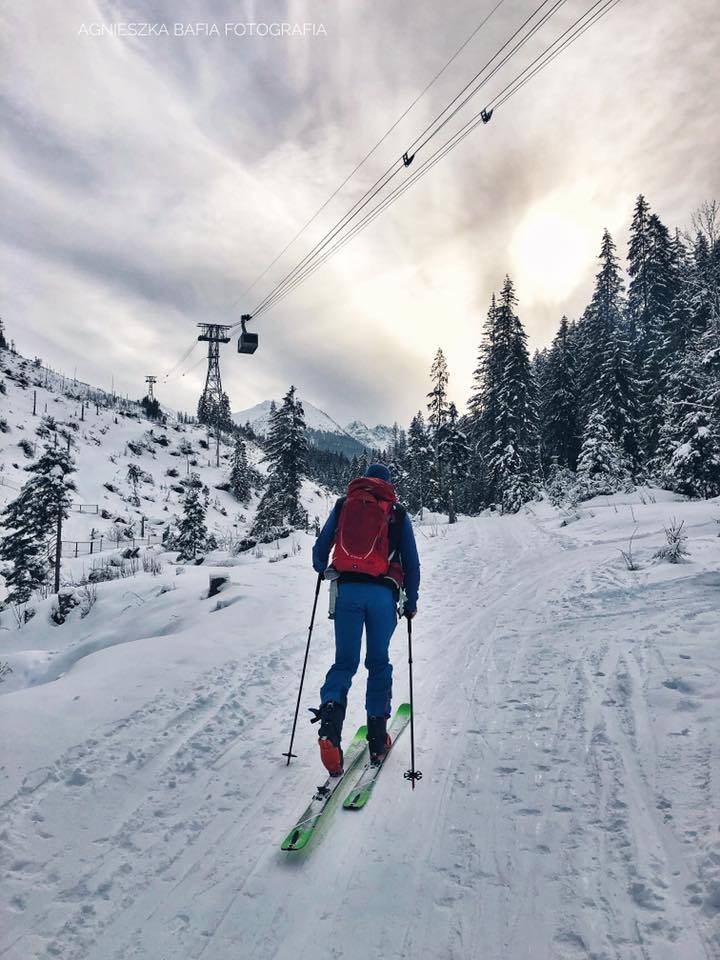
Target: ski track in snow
<point x="567" y="731"/>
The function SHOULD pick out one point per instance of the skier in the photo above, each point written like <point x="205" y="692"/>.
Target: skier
<point x="376" y="574"/>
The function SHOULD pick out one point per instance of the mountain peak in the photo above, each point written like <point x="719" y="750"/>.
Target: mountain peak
<point x="323" y="430"/>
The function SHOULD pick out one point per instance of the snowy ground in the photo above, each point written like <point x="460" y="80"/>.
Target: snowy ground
<point x="567" y="729"/>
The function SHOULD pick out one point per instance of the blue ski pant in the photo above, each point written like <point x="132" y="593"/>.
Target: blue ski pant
<point x="373" y="607"/>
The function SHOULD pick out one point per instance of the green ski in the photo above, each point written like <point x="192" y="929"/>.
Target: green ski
<point x="360" y="793"/>
<point x="301" y="833"/>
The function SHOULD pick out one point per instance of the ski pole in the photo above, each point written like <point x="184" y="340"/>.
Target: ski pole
<point x="412" y="774"/>
<point x="290" y="754"/>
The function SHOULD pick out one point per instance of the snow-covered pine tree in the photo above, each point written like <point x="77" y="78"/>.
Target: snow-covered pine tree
<point x="538" y="369"/>
<point x="616" y="395"/>
<point x="602" y="320"/>
<point x="24" y="553"/>
<point x="483" y="407"/>
<point x="454" y="454"/>
<point x="688" y="456"/>
<point x="609" y="382"/>
<point x="706" y="267"/>
<point x="211" y="415"/>
<point x="560" y="415"/>
<point x="437" y="415"/>
<point x="240" y="474"/>
<point x="286" y="453"/>
<point x="396" y="459"/>
<point x="678" y="328"/>
<point x="151" y="408"/>
<point x="31" y="521"/>
<point x="694" y="466"/>
<point x="661" y="281"/>
<point x="419" y="452"/>
<point x="192" y="534"/>
<point x="3" y="340"/>
<point x="512" y="460"/>
<point x="638" y="305"/>
<point x="134" y="476"/>
<point x="602" y="465"/>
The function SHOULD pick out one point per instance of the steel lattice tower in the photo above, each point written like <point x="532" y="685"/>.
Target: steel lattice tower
<point x="213" y="334"/>
<point x="151" y="381"/>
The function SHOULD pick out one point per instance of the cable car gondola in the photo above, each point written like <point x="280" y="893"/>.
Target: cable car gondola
<point x="247" y="342"/>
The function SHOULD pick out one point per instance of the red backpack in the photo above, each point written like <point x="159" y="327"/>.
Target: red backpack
<point x="362" y="536"/>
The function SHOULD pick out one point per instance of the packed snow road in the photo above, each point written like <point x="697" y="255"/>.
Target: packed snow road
<point x="566" y="729"/>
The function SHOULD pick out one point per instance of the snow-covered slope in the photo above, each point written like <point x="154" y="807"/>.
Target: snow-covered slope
<point x="567" y="730"/>
<point x="320" y="424"/>
<point x="105" y="442"/>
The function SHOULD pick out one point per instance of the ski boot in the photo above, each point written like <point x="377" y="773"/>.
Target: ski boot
<point x="330" y="716"/>
<point x="378" y="739"/>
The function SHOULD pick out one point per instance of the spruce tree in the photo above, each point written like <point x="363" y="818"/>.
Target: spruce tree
<point x="192" y="536"/>
<point x="3" y="341"/>
<point x="454" y="455"/>
<point x="240" y="473"/>
<point x="688" y="456"/>
<point x="661" y="280"/>
<point x="418" y="459"/>
<point x="437" y="416"/>
<point x="639" y="272"/>
<point x="617" y="397"/>
<point x="286" y="454"/>
<point x="214" y="415"/>
<point x="602" y="465"/>
<point x="512" y="459"/>
<point x="560" y="414"/>
<point x="694" y="466"/>
<point x="134" y="476"/>
<point x="678" y="327"/>
<point x="483" y="405"/>
<point x="31" y="521"/>
<point x="609" y="382"/>
<point x="151" y="408"/>
<point x="603" y="319"/>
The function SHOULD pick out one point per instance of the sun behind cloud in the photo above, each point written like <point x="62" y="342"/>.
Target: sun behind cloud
<point x="550" y="250"/>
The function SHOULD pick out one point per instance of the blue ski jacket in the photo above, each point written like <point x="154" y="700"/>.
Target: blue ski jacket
<point x="408" y="554"/>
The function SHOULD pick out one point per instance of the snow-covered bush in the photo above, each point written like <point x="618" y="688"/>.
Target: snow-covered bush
<point x="628" y="555"/>
<point x="676" y="550"/>
<point x="101" y="572"/>
<point x="88" y="598"/>
<point x="27" y="448"/>
<point x="561" y="486"/>
<point x="23" y="613"/>
<point x="4" y="428"/>
<point x="152" y="564"/>
<point x="66" y="601"/>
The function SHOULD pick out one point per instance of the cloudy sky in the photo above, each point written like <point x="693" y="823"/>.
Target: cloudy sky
<point x="147" y="181"/>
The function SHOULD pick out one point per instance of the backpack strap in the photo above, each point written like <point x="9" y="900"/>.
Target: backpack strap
<point x="397" y="519"/>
